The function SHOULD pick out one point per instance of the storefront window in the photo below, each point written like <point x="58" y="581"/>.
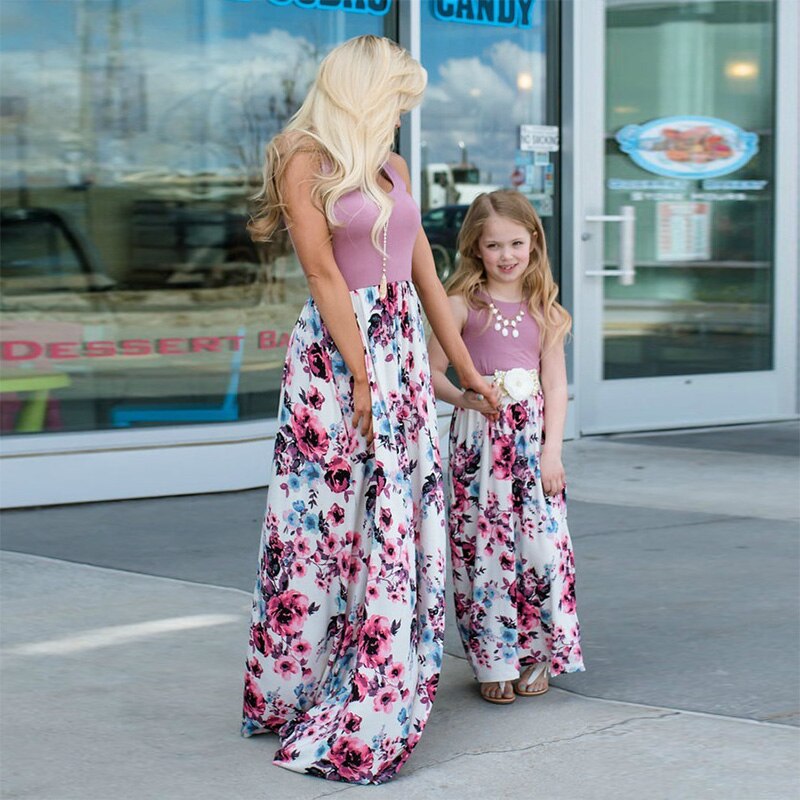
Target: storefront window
<point x="490" y="115"/>
<point x="690" y="145"/>
<point x="132" y="134"/>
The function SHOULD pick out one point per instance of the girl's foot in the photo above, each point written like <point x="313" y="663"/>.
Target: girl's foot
<point x="500" y="692"/>
<point x="533" y="681"/>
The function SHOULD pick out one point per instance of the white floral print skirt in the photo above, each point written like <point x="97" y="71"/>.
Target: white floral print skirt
<point x="348" y="611"/>
<point x="513" y="565"/>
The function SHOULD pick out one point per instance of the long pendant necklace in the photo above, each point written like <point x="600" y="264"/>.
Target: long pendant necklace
<point x="503" y="324"/>
<point x="383" y="289"/>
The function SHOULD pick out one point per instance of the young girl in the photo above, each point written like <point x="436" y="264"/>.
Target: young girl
<point x="513" y="566"/>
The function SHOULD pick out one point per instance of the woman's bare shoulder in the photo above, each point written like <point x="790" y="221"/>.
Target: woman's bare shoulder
<point x="398" y="164"/>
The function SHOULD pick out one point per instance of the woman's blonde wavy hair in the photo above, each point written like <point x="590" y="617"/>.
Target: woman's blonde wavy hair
<point x="538" y="285"/>
<point x="348" y="121"/>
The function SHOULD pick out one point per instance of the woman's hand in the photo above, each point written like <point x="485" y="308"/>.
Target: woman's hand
<point x="472" y="400"/>
<point x="362" y="404"/>
<point x="552" y="472"/>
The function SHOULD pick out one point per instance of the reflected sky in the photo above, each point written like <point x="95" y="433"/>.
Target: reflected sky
<point x="199" y="84"/>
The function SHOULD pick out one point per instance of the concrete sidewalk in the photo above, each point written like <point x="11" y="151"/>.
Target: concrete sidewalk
<point x="155" y="716"/>
<point x="123" y="679"/>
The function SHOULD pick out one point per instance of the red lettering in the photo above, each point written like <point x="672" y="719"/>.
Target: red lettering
<point x="135" y="347"/>
<point x="99" y="349"/>
<point x="58" y="350"/>
<point x="169" y="347"/>
<point x="236" y="341"/>
<point x="284" y="340"/>
<point x="10" y="351"/>
<point x="266" y="340"/>
<point x="211" y="344"/>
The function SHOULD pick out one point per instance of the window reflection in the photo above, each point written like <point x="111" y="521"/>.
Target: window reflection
<point x="132" y="134"/>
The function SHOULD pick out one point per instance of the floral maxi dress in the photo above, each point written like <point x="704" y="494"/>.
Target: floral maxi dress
<point x="513" y="564"/>
<point x="348" y="610"/>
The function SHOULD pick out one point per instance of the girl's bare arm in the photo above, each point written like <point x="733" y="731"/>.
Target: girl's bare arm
<point x="553" y="374"/>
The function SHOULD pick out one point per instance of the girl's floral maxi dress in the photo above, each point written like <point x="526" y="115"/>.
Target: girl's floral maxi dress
<point x="348" y="611"/>
<point x="513" y="565"/>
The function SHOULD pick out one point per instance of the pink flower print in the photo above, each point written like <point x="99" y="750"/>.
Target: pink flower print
<point x="302" y="548"/>
<point x="287" y="612"/>
<point x="329" y="544"/>
<point x="373" y="593"/>
<point x="351" y="757"/>
<point x="503" y="457"/>
<point x="391" y="552"/>
<point x="315" y="398"/>
<point x="395" y="672"/>
<point x="319" y="362"/>
<point x="376" y="641"/>
<point x="385" y="519"/>
<point x="484" y="528"/>
<point x="336" y="515"/>
<point x="254" y="704"/>
<point x="312" y="439"/>
<point x="259" y="638"/>
<point x="567" y="604"/>
<point x="506" y="562"/>
<point x="285" y="667"/>
<point x="516" y="415"/>
<point x="301" y="648"/>
<point x="337" y="475"/>
<point x="360" y="686"/>
<point x="352" y="722"/>
<point x="254" y="667"/>
<point x="353" y="569"/>
<point x="298" y="569"/>
<point x="385" y="700"/>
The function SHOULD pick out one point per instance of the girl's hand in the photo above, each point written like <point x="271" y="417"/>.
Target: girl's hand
<point x="480" y="395"/>
<point x="479" y="385"/>
<point x="474" y="401"/>
<point x="362" y="403"/>
<point x="552" y="472"/>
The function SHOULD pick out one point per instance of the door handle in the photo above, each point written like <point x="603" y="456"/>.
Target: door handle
<point x="627" y="240"/>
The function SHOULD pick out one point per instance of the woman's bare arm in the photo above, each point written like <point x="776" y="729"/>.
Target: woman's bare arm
<point x="437" y="308"/>
<point x="312" y="243"/>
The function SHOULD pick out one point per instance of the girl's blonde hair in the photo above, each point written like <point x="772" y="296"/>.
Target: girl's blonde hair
<point x="348" y="120"/>
<point x="538" y="285"/>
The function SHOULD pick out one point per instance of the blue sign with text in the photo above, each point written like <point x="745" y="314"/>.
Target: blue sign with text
<point x="503" y="13"/>
<point x="376" y="7"/>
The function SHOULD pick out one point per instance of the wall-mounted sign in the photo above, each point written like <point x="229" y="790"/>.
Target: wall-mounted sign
<point x="504" y="13"/>
<point x="683" y="231"/>
<point x="376" y="7"/>
<point x="688" y="147"/>
<point x="539" y="138"/>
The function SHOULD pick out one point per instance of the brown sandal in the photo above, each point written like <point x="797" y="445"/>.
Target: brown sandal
<point x="534" y="671"/>
<point x="503" y="700"/>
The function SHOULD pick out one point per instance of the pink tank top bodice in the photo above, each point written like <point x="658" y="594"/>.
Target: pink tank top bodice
<point x="358" y="260"/>
<point x="490" y="350"/>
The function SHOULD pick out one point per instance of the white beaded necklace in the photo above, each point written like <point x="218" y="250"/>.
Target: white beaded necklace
<point x="383" y="289"/>
<point x="503" y="324"/>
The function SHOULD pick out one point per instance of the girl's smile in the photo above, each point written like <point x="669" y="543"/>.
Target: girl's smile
<point x="505" y="250"/>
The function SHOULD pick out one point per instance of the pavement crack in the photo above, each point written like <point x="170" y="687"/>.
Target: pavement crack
<point x="539" y="745"/>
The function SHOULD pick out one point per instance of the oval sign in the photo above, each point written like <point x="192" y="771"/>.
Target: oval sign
<point x="688" y="147"/>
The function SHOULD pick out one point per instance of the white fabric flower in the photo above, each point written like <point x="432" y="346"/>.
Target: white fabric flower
<point x="519" y="383"/>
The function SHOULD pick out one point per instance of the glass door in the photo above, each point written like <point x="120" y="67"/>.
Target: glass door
<point x="676" y="264"/>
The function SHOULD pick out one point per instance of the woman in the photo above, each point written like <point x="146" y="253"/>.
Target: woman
<point x="348" y="611"/>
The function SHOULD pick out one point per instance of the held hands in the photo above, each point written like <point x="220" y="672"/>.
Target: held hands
<point x="552" y="471"/>
<point x="362" y="403"/>
<point x="480" y="395"/>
